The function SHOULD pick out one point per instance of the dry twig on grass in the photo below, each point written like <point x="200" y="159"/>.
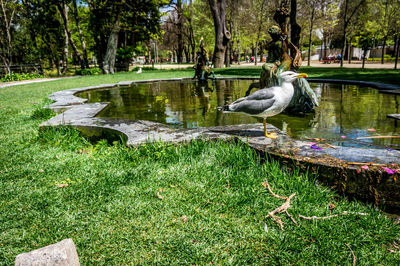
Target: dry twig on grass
<point x="352" y="253"/>
<point x="283" y="208"/>
<point x="331" y="216"/>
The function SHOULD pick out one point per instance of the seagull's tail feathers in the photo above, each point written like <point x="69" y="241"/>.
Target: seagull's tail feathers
<point x="224" y="108"/>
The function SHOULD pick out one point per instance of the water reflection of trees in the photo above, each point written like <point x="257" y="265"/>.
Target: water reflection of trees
<point x="344" y="109"/>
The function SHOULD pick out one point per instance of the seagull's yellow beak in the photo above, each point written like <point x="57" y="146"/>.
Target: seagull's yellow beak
<point x="302" y="75"/>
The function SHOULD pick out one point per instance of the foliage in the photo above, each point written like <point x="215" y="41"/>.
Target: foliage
<point x="20" y="76"/>
<point x="88" y="71"/>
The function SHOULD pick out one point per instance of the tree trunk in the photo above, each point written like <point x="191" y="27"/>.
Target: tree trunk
<point x="383" y="50"/>
<point x="364" y="55"/>
<point x="222" y="36"/>
<point x="397" y="52"/>
<point x="344" y="32"/>
<point x="64" y="16"/>
<point x="78" y="26"/>
<point x="238" y="45"/>
<point x="295" y="28"/>
<point x="325" y="46"/>
<point x="386" y="33"/>
<point x="181" y="45"/>
<point x="349" y="50"/>
<point x="228" y="55"/>
<point x="310" y="37"/>
<point x="259" y="30"/>
<point x="65" y="59"/>
<point x="7" y="49"/>
<point x="109" y="58"/>
<point x="187" y="54"/>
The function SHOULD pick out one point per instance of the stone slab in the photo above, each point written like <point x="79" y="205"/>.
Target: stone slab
<point x="62" y="253"/>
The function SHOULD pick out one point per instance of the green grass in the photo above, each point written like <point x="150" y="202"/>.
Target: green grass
<point x="111" y="210"/>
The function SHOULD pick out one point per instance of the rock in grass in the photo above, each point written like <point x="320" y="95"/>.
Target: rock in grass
<point x="61" y="253"/>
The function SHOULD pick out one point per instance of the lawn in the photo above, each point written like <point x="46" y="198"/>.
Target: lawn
<point x="198" y="203"/>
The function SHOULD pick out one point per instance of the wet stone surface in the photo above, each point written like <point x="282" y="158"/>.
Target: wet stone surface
<point x="337" y="166"/>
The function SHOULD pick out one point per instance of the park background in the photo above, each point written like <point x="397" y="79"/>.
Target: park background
<point x="198" y="203"/>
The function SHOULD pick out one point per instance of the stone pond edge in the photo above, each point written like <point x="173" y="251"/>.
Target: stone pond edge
<point x="373" y="185"/>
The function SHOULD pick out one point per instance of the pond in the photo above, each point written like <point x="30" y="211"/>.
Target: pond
<point x="346" y="112"/>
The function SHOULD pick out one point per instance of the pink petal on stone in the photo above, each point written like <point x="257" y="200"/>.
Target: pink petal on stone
<point x="343" y="137"/>
<point x="389" y="171"/>
<point x="365" y="167"/>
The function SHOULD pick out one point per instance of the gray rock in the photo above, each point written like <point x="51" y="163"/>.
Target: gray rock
<point x="62" y="253"/>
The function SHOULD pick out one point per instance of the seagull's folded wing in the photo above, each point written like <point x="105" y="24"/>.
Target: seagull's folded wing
<point x="263" y="94"/>
<point x="251" y="107"/>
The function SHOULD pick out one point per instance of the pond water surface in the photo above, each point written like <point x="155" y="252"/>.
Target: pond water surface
<point x="345" y="112"/>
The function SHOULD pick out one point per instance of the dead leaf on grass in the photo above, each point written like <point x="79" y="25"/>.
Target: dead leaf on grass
<point x="159" y="196"/>
<point x="81" y="151"/>
<point x="62" y="185"/>
<point x="184" y="218"/>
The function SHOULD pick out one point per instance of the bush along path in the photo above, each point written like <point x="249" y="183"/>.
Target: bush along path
<point x="203" y="202"/>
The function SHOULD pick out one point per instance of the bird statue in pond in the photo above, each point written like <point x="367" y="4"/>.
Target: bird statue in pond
<point x="268" y="101"/>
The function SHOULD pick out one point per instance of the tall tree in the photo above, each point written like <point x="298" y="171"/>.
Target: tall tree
<point x="109" y="58"/>
<point x="81" y="38"/>
<point x="295" y="28"/>
<point x="347" y="17"/>
<point x="63" y="10"/>
<point x="312" y="4"/>
<point x="259" y="22"/>
<point x="222" y="35"/>
<point x="8" y="12"/>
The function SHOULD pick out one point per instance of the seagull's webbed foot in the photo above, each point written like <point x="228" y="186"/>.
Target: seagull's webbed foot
<point x="271" y="135"/>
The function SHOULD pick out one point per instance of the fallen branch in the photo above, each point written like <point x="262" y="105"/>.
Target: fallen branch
<point x="379" y="137"/>
<point x="317" y="139"/>
<point x="283" y="208"/>
<point x="371" y="164"/>
<point x="330" y="146"/>
<point x="352" y="253"/>
<point x="266" y="184"/>
<point x="331" y="216"/>
<point x="395" y="246"/>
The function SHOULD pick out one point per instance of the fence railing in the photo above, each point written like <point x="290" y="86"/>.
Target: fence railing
<point x="26" y="68"/>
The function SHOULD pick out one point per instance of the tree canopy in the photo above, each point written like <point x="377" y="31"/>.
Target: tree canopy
<point x="87" y="33"/>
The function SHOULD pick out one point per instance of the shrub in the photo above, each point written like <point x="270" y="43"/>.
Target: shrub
<point x="20" y="76"/>
<point x="88" y="71"/>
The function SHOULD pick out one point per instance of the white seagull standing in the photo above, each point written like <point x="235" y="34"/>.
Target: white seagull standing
<point x="139" y="71"/>
<point x="267" y="102"/>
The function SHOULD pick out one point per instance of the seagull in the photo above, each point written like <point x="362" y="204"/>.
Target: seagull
<point x="268" y="101"/>
<point x="139" y="71"/>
